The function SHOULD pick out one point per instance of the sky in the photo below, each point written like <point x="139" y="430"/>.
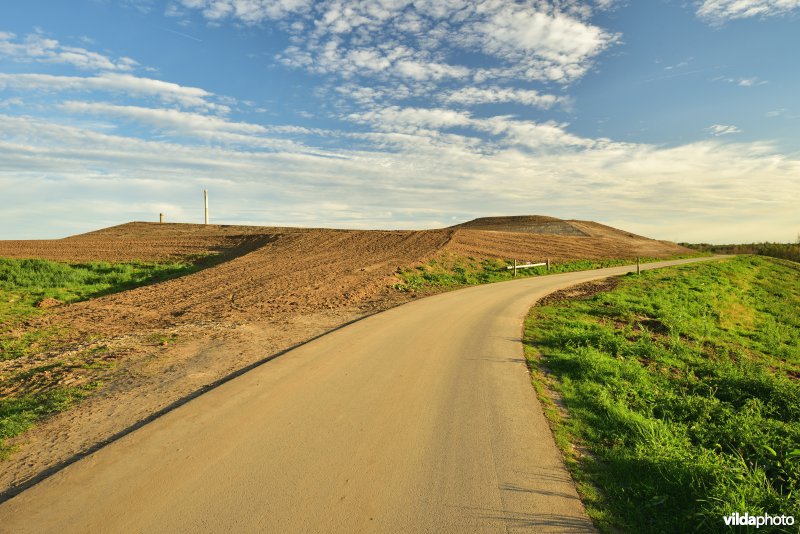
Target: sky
<point x="677" y="120"/>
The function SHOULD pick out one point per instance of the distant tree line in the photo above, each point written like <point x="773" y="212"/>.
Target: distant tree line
<point x="787" y="251"/>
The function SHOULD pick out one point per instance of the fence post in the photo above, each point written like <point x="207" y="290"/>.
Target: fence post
<point x="515" y="268"/>
<point x="548" y="265"/>
<point x="160" y="218"/>
<point x="638" y="269"/>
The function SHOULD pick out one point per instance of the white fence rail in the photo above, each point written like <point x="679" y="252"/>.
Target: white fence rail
<point x="547" y="264"/>
<point x="528" y="265"/>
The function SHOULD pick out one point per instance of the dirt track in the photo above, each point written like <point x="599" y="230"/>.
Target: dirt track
<point x="269" y="289"/>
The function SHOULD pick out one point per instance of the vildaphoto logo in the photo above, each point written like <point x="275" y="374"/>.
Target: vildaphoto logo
<point x="764" y="520"/>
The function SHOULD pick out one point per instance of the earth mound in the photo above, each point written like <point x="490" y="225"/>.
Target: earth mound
<point x="141" y="241"/>
<point x="537" y="237"/>
<point x="532" y="224"/>
<point x="258" y="273"/>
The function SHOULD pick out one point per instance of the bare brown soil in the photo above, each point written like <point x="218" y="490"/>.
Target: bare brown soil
<point x="581" y="291"/>
<point x="265" y="290"/>
<point x="521" y="246"/>
<point x="143" y="242"/>
<point x="293" y="272"/>
<point x="532" y="224"/>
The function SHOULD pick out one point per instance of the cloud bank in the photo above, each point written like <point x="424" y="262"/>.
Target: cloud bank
<point x="438" y="114"/>
<point x="720" y="11"/>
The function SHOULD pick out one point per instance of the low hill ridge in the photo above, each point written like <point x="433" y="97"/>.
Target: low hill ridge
<point x="273" y="272"/>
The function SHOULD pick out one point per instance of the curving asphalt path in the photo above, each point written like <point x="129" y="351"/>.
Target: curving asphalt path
<point x="418" y="419"/>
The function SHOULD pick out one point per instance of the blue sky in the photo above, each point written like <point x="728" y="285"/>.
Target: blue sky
<point x="676" y="119"/>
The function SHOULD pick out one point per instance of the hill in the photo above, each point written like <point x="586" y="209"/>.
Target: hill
<point x="266" y="273"/>
<point x="539" y="237"/>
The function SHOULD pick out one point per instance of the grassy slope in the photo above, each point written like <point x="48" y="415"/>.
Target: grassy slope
<point x="51" y="383"/>
<point x="452" y="271"/>
<point x="682" y="394"/>
<point x="786" y="251"/>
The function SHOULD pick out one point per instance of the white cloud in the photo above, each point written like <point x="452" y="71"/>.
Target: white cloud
<point x="143" y="6"/>
<point x="674" y="190"/>
<point x="750" y="82"/>
<point x="378" y="54"/>
<point x="127" y="84"/>
<point x="504" y="132"/>
<point x="723" y="129"/>
<point x="247" y="11"/>
<point x="548" y="45"/>
<point x="743" y="82"/>
<point x="422" y="70"/>
<point x="607" y="4"/>
<point x="171" y="119"/>
<point x="372" y="96"/>
<point x="492" y="95"/>
<point x="190" y="127"/>
<point x="11" y="102"/>
<point x="382" y="63"/>
<point x="35" y="47"/>
<point x="719" y="11"/>
<point x="533" y="135"/>
<point x="187" y="126"/>
<point x="392" y="119"/>
<point x="422" y="42"/>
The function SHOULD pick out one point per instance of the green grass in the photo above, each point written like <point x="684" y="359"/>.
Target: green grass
<point x="786" y="251"/>
<point x="35" y="389"/>
<point x="37" y="279"/>
<point x="681" y="394"/>
<point x="18" y="414"/>
<point x="25" y="283"/>
<point x="453" y="272"/>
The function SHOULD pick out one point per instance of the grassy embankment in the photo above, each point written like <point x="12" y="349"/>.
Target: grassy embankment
<point x="786" y="251"/>
<point x="35" y="379"/>
<point x="675" y="397"/>
<point x="453" y="272"/>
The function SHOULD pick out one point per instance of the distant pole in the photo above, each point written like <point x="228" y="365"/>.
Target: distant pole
<point x="515" y="268"/>
<point x="638" y="269"/>
<point x="205" y="197"/>
<point x="548" y="265"/>
<point x="160" y="218"/>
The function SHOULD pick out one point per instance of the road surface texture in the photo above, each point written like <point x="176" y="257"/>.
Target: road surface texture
<point x="418" y="419"/>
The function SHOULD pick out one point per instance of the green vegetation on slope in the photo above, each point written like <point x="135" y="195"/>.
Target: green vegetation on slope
<point x="681" y="394"/>
<point x="69" y="282"/>
<point x="32" y="390"/>
<point x="453" y="272"/>
<point x="27" y="285"/>
<point x="786" y="251"/>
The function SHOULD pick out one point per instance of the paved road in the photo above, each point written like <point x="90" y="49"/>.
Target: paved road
<point x="418" y="419"/>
